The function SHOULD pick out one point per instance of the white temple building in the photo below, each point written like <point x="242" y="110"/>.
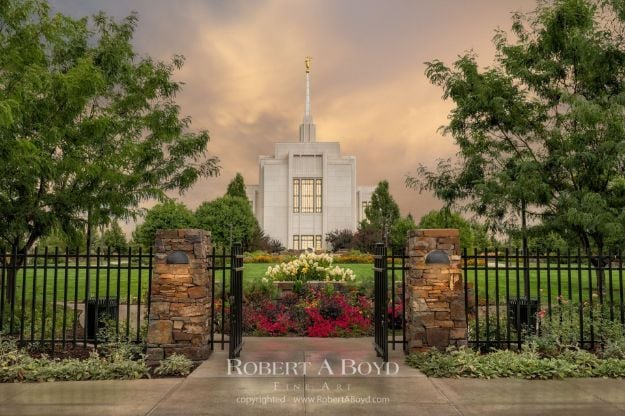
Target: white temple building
<point x="307" y="189"/>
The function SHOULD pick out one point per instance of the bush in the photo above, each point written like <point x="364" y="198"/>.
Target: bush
<point x="34" y="322"/>
<point x="309" y="267"/>
<point x="174" y="365"/>
<point x="527" y="364"/>
<point x="16" y="365"/>
<point x="561" y="331"/>
<point x="261" y="256"/>
<point x="313" y="313"/>
<point x="340" y="239"/>
<point x="354" y="256"/>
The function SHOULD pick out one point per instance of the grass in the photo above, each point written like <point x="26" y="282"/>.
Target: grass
<point x="71" y="284"/>
<point x="573" y="284"/>
<point x="103" y="282"/>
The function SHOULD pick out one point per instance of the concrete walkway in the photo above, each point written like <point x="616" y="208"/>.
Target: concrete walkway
<point x="332" y="385"/>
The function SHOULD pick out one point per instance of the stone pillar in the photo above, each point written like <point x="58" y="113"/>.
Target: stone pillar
<point x="179" y="320"/>
<point x="435" y="298"/>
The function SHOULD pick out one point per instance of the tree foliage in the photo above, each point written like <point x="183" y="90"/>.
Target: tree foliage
<point x="75" y="243"/>
<point x="367" y="236"/>
<point x="472" y="235"/>
<point x="383" y="211"/>
<point x="543" y="126"/>
<point x="236" y="187"/>
<point x="113" y="237"/>
<point x="88" y="128"/>
<point x="340" y="239"/>
<point x="399" y="233"/>
<point x="229" y="219"/>
<point x="168" y="215"/>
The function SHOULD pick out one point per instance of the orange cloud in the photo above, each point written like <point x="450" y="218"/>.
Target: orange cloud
<point x="244" y="76"/>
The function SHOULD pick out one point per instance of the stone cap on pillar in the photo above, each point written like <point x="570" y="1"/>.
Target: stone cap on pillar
<point x="434" y="232"/>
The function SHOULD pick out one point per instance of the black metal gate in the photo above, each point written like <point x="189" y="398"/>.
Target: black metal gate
<point x="389" y="309"/>
<point x="236" y="301"/>
<point x="380" y="301"/>
<point x="227" y="299"/>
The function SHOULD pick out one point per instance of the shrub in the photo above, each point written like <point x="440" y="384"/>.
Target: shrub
<point x="16" y="365"/>
<point x="354" y="256"/>
<point x="261" y="256"/>
<point x="561" y="330"/>
<point x="174" y="365"/>
<point x="314" y="313"/>
<point x="309" y="267"/>
<point x="552" y="352"/>
<point x="527" y="364"/>
<point x="340" y="239"/>
<point x="34" y="321"/>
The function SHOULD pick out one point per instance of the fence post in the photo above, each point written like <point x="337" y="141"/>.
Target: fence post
<point x="436" y="310"/>
<point x="179" y="319"/>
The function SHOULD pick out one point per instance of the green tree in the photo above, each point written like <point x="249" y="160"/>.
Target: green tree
<point x="88" y="128"/>
<point x="168" y="215"/>
<point x="543" y="128"/>
<point x="472" y="235"/>
<point x="75" y="243"/>
<point x="366" y="237"/>
<point x="229" y="219"/>
<point x="114" y="238"/>
<point x="236" y="187"/>
<point x="399" y="233"/>
<point x="383" y="210"/>
<point x="340" y="239"/>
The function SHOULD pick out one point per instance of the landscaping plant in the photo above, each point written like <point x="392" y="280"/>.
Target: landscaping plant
<point x="174" y="365"/>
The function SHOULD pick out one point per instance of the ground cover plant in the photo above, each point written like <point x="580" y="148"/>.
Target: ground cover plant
<point x="117" y="358"/>
<point x="18" y="365"/>
<point x="551" y="351"/>
<point x="174" y="365"/>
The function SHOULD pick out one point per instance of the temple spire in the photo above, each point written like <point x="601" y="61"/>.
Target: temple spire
<point x="307" y="129"/>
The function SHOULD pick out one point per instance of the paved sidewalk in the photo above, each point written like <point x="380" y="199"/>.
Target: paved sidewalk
<point x="211" y="391"/>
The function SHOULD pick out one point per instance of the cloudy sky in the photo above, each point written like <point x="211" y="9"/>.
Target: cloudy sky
<point x="244" y="75"/>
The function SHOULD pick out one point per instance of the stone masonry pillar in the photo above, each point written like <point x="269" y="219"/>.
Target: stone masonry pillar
<point x="435" y="299"/>
<point x="179" y="320"/>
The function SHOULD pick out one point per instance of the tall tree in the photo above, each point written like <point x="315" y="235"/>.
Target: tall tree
<point x="229" y="219"/>
<point x="88" y="128"/>
<point x="472" y="235"/>
<point x="168" y="215"/>
<point x="399" y="233"/>
<point x="114" y="238"/>
<point x="236" y="187"/>
<point x="542" y="130"/>
<point x="383" y="210"/>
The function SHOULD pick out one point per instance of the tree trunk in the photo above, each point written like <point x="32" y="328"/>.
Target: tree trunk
<point x="18" y="258"/>
<point x="600" y="266"/>
<point x="11" y="269"/>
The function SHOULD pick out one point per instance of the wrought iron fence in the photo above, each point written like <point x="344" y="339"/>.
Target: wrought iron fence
<point x="510" y="295"/>
<point x="55" y="298"/>
<point x="389" y="318"/>
<point x="222" y="261"/>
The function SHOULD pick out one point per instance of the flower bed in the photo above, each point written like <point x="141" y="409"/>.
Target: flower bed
<point x="309" y="267"/>
<point x="285" y="288"/>
<point x="314" y="312"/>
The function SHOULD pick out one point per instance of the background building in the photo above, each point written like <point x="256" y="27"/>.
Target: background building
<point x="307" y="189"/>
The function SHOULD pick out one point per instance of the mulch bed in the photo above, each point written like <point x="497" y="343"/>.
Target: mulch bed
<point x="78" y="351"/>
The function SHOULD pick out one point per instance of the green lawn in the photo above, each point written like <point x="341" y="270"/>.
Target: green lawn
<point x="549" y="286"/>
<point x="253" y="272"/>
<point x="73" y="284"/>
